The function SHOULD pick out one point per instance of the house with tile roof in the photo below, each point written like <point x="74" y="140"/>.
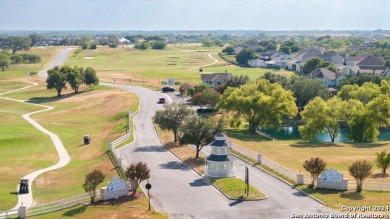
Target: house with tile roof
<point x="329" y="78"/>
<point x="215" y="79"/>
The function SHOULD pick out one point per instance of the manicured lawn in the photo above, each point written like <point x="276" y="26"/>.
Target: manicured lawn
<point x="19" y="71"/>
<point x="235" y="188"/>
<point x="6" y="86"/>
<point x="125" y="207"/>
<point x="99" y="113"/>
<point x="292" y="154"/>
<point x="149" y="67"/>
<point x="337" y="199"/>
<point x="23" y="149"/>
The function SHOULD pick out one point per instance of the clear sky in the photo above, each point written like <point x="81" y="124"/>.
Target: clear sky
<point x="194" y="14"/>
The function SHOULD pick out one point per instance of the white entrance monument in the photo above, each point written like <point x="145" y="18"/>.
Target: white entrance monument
<point x="117" y="187"/>
<point x="332" y="179"/>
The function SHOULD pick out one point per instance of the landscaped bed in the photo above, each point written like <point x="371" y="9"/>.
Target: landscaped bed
<point x="235" y="188"/>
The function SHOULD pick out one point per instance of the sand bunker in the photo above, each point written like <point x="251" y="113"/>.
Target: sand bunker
<point x="88" y="57"/>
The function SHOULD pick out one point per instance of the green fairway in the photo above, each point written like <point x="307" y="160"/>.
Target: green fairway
<point x="19" y="71"/>
<point x="23" y="149"/>
<point x="72" y="118"/>
<point x="181" y="62"/>
<point x="6" y="86"/>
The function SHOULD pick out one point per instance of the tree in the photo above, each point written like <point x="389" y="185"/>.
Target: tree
<point x="364" y="124"/>
<point x="305" y="89"/>
<point x="90" y="77"/>
<point x="228" y="50"/>
<point x="142" y="46"/>
<point x="56" y="79"/>
<point x="286" y="49"/>
<point x="235" y="81"/>
<point x="317" y="62"/>
<point x="197" y="88"/>
<point x="312" y="64"/>
<point x="274" y="78"/>
<point x="184" y="88"/>
<point x="208" y="43"/>
<point x="208" y="97"/>
<point x="360" y="170"/>
<point x="137" y="172"/>
<point x="4" y="61"/>
<point x="320" y="116"/>
<point x="199" y="131"/>
<point x="16" y="43"/>
<point x="364" y="93"/>
<point x="92" y="180"/>
<point x="75" y="78"/>
<point x="262" y="103"/>
<point x="245" y="55"/>
<point x="314" y="166"/>
<point x="36" y="38"/>
<point x="159" y="45"/>
<point x="383" y="160"/>
<point x="172" y="117"/>
<point x="16" y="59"/>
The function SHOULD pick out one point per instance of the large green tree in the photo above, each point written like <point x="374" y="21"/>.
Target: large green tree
<point x="199" y="131"/>
<point x="364" y="124"/>
<point x="320" y="116"/>
<point x="76" y="78"/>
<point x="90" y="77"/>
<point x="305" y="89"/>
<point x="172" y="117"/>
<point x="36" y="38"/>
<point x="57" y="78"/>
<point x="16" y="43"/>
<point x="262" y="103"/>
<point x="245" y="55"/>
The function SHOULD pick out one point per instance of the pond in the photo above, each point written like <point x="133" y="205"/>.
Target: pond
<point x="292" y="133"/>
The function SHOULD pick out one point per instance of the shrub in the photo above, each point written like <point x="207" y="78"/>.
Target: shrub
<point x="360" y="170"/>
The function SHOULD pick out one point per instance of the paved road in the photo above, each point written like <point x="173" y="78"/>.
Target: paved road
<point x="59" y="60"/>
<point x="181" y="193"/>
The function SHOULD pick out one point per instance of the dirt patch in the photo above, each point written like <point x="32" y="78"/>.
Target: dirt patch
<point x="88" y="57"/>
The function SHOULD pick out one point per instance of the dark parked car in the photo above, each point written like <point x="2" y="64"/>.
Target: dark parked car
<point x="161" y="100"/>
<point x="168" y="89"/>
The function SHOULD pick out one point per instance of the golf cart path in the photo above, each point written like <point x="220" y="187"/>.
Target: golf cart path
<point x="27" y="199"/>
<point x="211" y="57"/>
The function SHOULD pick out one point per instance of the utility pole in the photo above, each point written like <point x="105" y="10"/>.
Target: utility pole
<point x="247" y="181"/>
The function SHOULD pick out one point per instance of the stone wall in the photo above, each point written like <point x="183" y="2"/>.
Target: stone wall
<point x="333" y="185"/>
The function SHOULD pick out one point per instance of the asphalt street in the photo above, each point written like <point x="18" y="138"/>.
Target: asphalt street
<point x="181" y="193"/>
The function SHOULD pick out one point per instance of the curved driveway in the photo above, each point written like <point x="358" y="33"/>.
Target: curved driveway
<point x="181" y="193"/>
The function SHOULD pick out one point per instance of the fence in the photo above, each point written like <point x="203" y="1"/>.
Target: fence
<point x="58" y="205"/>
<point x="368" y="185"/>
<point x="9" y="213"/>
<point x="49" y="207"/>
<point x="266" y="162"/>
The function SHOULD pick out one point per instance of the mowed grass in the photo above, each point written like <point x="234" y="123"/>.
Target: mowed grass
<point x="292" y="154"/>
<point x="337" y="199"/>
<point x="99" y="113"/>
<point x="19" y="71"/>
<point x="6" y="86"/>
<point x="124" y="207"/>
<point x="235" y="188"/>
<point x="23" y="149"/>
<point x="149" y="67"/>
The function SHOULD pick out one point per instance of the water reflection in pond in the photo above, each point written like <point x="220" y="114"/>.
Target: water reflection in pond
<point x="292" y="133"/>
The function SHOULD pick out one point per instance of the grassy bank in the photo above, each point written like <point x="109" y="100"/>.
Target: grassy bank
<point x="235" y="188"/>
